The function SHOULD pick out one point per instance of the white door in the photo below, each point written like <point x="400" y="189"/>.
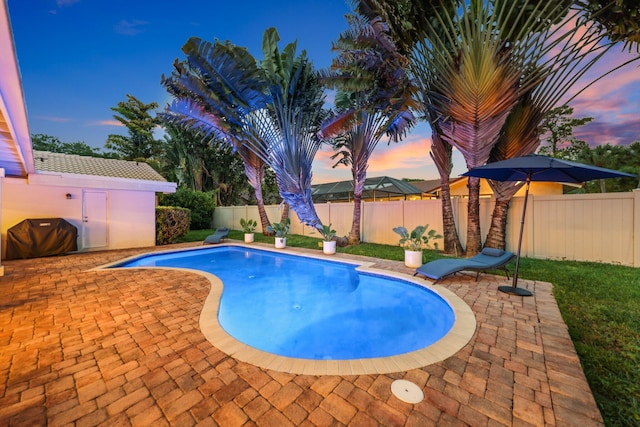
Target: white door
<point x="94" y="219"/>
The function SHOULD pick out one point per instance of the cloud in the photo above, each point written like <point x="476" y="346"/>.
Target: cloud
<point x="613" y="102"/>
<point x="599" y="133"/>
<point x="61" y="4"/>
<point x="54" y="119"/>
<point x="105" y="123"/>
<point x="407" y="159"/>
<point x="614" y="84"/>
<point x="64" y="3"/>
<point x="130" y="28"/>
<point x="411" y="155"/>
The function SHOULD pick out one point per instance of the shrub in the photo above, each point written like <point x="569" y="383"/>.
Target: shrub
<point x="171" y="224"/>
<point x="201" y="205"/>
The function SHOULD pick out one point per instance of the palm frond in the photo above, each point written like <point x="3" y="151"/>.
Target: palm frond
<point x="186" y="112"/>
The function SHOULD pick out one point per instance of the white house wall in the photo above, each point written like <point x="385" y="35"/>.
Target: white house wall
<point x="130" y="214"/>
<point x="132" y="219"/>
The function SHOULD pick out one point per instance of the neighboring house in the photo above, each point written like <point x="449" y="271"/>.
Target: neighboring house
<point x="111" y="202"/>
<point x="431" y="189"/>
<point x="385" y="188"/>
<point x="378" y="189"/>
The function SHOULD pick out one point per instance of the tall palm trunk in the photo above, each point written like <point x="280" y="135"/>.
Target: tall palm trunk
<point x="452" y="245"/>
<point x="285" y="211"/>
<point x="496" y="237"/>
<point x="359" y="176"/>
<point x="198" y="173"/>
<point x="254" y="170"/>
<point x="474" y="240"/>
<point x="519" y="137"/>
<point x="441" y="154"/>
<point x="264" y="219"/>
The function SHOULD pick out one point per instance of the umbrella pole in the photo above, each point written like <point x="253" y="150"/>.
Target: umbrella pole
<point x="514" y="289"/>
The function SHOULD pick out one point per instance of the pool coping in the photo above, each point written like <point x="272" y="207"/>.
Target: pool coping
<point x="460" y="334"/>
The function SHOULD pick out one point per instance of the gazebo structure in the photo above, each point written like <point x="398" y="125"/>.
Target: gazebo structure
<point x="375" y="189"/>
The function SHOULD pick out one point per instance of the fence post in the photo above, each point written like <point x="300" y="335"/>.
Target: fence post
<point x="636" y="227"/>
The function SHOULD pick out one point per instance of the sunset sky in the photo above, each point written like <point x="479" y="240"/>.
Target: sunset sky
<point x="79" y="58"/>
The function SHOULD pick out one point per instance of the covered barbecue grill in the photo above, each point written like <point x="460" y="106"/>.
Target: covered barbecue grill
<point x="34" y="238"/>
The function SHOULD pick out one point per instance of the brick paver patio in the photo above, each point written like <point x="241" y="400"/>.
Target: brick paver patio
<point x="123" y="347"/>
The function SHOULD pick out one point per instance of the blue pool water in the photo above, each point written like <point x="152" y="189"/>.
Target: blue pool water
<point x="314" y="309"/>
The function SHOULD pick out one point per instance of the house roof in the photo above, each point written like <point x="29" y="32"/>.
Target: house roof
<point x="379" y="186"/>
<point x="426" y="186"/>
<point x="85" y="165"/>
<point x="433" y="186"/>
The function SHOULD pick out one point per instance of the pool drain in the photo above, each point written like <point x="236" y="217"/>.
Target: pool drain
<point x="407" y="391"/>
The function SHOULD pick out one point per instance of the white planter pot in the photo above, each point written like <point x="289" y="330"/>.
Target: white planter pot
<point x="329" y="248"/>
<point x="248" y="237"/>
<point x="281" y="242"/>
<point x="412" y="259"/>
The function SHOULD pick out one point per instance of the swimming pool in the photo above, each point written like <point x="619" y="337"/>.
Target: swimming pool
<point x="318" y="311"/>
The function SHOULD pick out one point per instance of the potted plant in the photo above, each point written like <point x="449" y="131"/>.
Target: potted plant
<point x="414" y="242"/>
<point x="281" y="229"/>
<point x="328" y="244"/>
<point x="248" y="226"/>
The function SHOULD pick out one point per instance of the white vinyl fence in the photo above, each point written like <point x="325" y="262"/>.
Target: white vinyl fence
<point x="586" y="227"/>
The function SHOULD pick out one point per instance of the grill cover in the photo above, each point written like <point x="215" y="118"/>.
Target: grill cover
<point x="34" y="238"/>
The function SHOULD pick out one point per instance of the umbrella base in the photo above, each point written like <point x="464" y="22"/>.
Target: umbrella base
<point x="515" y="291"/>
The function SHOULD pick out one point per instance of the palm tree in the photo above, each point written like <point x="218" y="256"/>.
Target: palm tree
<point x="185" y="152"/>
<point x="296" y="100"/>
<point x="441" y="154"/>
<point x="477" y="61"/>
<point x="219" y="91"/>
<point x="135" y="116"/>
<point x="521" y="133"/>
<point x="272" y="110"/>
<point x="373" y="99"/>
<point x="254" y="168"/>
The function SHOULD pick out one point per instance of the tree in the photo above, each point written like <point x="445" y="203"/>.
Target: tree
<point x="140" y="143"/>
<point x="273" y="110"/>
<point x="469" y="76"/>
<point x="184" y="155"/>
<point x="53" y="144"/>
<point x="479" y="62"/>
<point x="221" y="92"/>
<point x="296" y="106"/>
<point x="557" y="126"/>
<point x="227" y="170"/>
<point x="619" y="19"/>
<point x="625" y="158"/>
<point x="373" y="99"/>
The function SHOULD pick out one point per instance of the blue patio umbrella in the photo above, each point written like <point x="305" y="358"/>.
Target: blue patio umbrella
<point x="538" y="168"/>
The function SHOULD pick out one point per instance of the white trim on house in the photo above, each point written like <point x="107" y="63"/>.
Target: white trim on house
<point x="59" y="179"/>
<point x="16" y="156"/>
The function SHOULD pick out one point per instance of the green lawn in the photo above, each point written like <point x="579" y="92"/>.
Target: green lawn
<point x="600" y="304"/>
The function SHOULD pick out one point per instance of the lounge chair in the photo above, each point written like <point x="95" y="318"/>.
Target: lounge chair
<point x="217" y="237"/>
<point x="488" y="259"/>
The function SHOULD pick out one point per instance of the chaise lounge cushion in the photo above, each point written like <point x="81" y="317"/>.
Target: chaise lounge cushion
<point x="488" y="259"/>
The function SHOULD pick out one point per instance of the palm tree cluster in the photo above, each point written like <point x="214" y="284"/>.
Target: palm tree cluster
<point x="483" y="74"/>
<point x="488" y="72"/>
<point x="270" y="113"/>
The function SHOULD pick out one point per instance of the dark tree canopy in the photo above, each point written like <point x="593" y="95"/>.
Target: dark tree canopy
<point x="43" y="142"/>
<point x="140" y="142"/>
